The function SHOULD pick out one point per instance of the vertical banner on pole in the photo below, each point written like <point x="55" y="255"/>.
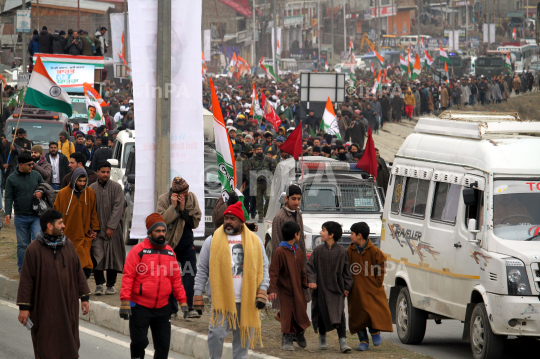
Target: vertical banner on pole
<point x="451" y="41"/>
<point x="278" y="34"/>
<point x="456" y="40"/>
<point x="207" y="45"/>
<point x="187" y="141"/>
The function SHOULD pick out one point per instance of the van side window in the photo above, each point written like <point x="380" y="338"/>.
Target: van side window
<point x="396" y="196"/>
<point x="415" y="198"/>
<point x="475" y="212"/>
<point x="445" y="202"/>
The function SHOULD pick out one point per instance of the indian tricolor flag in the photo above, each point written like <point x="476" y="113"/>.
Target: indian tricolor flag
<point x="329" y="122"/>
<point x="373" y="69"/>
<point x="447" y="74"/>
<point x="443" y="56"/>
<point x="44" y="93"/>
<point x="507" y="62"/>
<point x="379" y="58"/>
<point x="417" y="68"/>
<point x="403" y="64"/>
<point x="514" y="34"/>
<point x="428" y="60"/>
<point x="269" y="70"/>
<point x="377" y="84"/>
<point x="256" y="110"/>
<point x="226" y="162"/>
<point x="326" y="66"/>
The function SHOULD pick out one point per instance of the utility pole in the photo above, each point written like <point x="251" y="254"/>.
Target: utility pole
<point x="274" y="34"/>
<point x="319" y="38"/>
<point x="332" y="25"/>
<point x="488" y="24"/>
<point x="79" y="14"/>
<point x="254" y="60"/>
<point x="163" y="103"/>
<point x="126" y="32"/>
<point x="38" y="14"/>
<point x="344" y="26"/>
<point x="24" y="45"/>
<point x="417" y="27"/>
<point x="453" y="29"/>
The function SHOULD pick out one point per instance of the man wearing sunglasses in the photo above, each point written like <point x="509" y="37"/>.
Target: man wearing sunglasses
<point x="19" y="198"/>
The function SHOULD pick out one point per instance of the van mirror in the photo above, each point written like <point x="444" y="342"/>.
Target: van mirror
<point x="131" y="179"/>
<point x="113" y="162"/>
<point x="470" y="196"/>
<point x="471" y="226"/>
<point x="283" y="198"/>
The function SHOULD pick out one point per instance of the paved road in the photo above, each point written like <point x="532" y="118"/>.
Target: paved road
<point x="444" y="342"/>
<point x="96" y="342"/>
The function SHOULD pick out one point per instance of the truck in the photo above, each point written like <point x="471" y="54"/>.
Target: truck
<point x="461" y="229"/>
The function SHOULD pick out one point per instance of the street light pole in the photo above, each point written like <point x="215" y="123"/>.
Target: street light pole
<point x="163" y="103"/>
<point x="126" y="37"/>
<point x="344" y="26"/>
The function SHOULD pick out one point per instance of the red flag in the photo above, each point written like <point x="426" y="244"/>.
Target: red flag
<point x="293" y="144"/>
<point x="269" y="113"/>
<point x="368" y="162"/>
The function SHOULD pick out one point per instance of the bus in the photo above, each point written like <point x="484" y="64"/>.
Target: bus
<point x="490" y="65"/>
<point x="521" y="51"/>
<point x="460" y="67"/>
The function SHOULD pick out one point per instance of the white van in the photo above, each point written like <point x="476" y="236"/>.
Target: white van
<point x="461" y="229"/>
<point x="412" y="40"/>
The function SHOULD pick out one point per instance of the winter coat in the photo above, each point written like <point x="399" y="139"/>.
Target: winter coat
<point x="445" y="100"/>
<point x="44" y="168"/>
<point x="45" y="42"/>
<point x="87" y="41"/>
<point x="33" y="45"/>
<point x="20" y="188"/>
<point x="63" y="166"/>
<point x="73" y="49"/>
<point x="465" y="94"/>
<point x="100" y="50"/>
<point x="410" y="100"/>
<point x="517" y="83"/>
<point x="48" y="198"/>
<point x="144" y="287"/>
<point x="58" y="45"/>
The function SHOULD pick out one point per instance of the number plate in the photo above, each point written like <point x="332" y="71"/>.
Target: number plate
<point x="208" y="218"/>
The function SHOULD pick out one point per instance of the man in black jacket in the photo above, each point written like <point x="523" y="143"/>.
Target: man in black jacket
<point x="45" y="40"/>
<point x="60" y="166"/>
<point x="59" y="42"/>
<point x="310" y="122"/>
<point x="102" y="154"/>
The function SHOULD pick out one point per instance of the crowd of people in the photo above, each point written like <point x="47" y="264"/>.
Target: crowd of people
<point x="74" y="42"/>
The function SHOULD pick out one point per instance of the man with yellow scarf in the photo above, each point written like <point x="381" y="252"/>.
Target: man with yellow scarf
<point x="236" y="300"/>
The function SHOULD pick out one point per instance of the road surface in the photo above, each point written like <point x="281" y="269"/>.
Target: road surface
<point x="96" y="342"/>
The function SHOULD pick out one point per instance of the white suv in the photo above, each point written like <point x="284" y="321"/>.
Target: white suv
<point x="125" y="141"/>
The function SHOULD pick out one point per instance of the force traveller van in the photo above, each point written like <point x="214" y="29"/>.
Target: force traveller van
<point x="461" y="229"/>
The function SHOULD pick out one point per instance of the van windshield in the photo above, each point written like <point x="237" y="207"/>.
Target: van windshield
<point x="343" y="197"/>
<point x="516" y="210"/>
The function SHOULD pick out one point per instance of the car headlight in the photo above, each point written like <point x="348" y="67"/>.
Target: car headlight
<point x="517" y="279"/>
<point x="316" y="241"/>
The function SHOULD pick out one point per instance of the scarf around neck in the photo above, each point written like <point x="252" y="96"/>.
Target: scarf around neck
<point x="51" y="241"/>
<point x="221" y="285"/>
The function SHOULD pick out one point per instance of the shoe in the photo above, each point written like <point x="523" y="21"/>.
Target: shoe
<point x="323" y="345"/>
<point x="377" y="339"/>
<point x="343" y="346"/>
<point x="364" y="342"/>
<point x="277" y="317"/>
<point x="260" y="220"/>
<point x="301" y="340"/>
<point x="287" y="342"/>
<point x="110" y="291"/>
<point x="192" y="314"/>
<point x="362" y="347"/>
<point x="99" y="290"/>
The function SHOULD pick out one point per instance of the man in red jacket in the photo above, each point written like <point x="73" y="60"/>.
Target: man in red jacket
<point x="151" y="273"/>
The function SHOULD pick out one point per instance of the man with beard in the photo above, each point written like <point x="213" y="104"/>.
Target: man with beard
<point x="145" y="296"/>
<point x="236" y="300"/>
<point x="108" y="251"/>
<point x="90" y="149"/>
<point x="354" y="149"/>
<point x="77" y="203"/>
<point x="52" y="281"/>
<point x="59" y="165"/>
<point x="261" y="167"/>
<point x="78" y="160"/>
<point x="181" y="213"/>
<point x="41" y="165"/>
<point x="80" y="143"/>
<point x="21" y="142"/>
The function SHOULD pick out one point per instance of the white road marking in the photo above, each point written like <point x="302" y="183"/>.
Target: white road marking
<point x="90" y="332"/>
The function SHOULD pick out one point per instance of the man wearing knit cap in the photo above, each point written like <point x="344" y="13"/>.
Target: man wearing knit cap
<point x="233" y="271"/>
<point x="145" y="294"/>
<point x="41" y="165"/>
<point x="65" y="146"/>
<point x="182" y="214"/>
<point x="21" y="185"/>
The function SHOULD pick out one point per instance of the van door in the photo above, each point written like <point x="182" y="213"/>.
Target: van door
<point x="442" y="273"/>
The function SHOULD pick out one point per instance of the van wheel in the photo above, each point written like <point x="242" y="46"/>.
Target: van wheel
<point x="410" y="322"/>
<point x="484" y="343"/>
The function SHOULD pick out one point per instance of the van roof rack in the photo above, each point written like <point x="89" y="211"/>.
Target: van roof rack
<point x="477" y="125"/>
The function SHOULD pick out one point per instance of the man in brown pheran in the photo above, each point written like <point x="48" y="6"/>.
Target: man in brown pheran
<point x="52" y="281"/>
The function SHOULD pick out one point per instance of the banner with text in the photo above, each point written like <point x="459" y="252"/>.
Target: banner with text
<point x="187" y="138"/>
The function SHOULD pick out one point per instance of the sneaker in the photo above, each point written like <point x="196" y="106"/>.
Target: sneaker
<point x="193" y="314"/>
<point x="343" y="346"/>
<point x="377" y="339"/>
<point x="99" y="290"/>
<point x="110" y="291"/>
<point x="260" y="220"/>
<point x="364" y="342"/>
<point x="323" y="345"/>
<point x="301" y="340"/>
<point x="287" y="342"/>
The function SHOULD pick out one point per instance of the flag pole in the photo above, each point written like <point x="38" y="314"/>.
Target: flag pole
<point x="16" y="128"/>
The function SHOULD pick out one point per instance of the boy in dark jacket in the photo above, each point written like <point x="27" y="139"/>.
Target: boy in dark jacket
<point x="288" y="279"/>
<point x="329" y="275"/>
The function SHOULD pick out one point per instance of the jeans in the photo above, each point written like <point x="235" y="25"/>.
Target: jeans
<point x="56" y="187"/>
<point x="26" y="229"/>
<point x="1" y="201"/>
<point x="471" y="100"/>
